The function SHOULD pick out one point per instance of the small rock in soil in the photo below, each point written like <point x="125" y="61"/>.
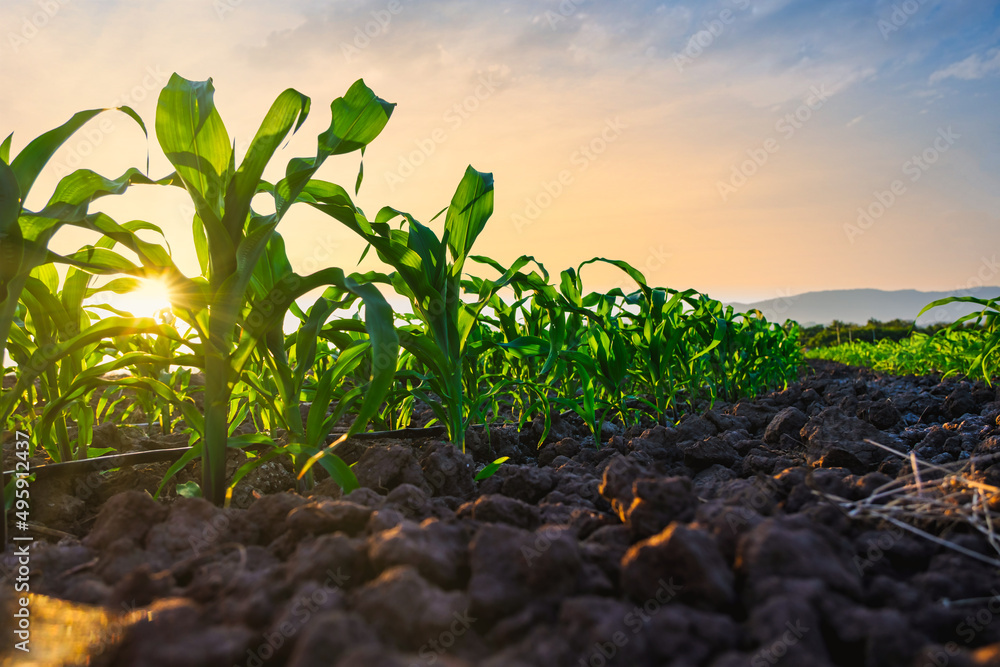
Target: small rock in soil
<point x="834" y="431"/>
<point x="439" y="551"/>
<point x="776" y="549"/>
<point x="407" y="610"/>
<point x="684" y="561"/>
<point x="384" y="468"/>
<point x="497" y="508"/>
<point x="787" y="422"/>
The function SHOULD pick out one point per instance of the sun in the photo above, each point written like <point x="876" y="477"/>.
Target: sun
<point x="151" y="297"/>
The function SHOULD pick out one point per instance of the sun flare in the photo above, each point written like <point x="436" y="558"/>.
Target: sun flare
<point x="151" y="297"/>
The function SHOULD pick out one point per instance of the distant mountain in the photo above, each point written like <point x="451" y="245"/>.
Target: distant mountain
<point x="860" y="305"/>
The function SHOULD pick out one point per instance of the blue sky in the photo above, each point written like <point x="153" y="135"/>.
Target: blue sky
<point x="749" y="149"/>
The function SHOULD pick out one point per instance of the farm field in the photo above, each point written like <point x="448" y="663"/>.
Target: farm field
<point x="293" y="375"/>
<point x="211" y="392"/>
<point x="967" y="347"/>
<point x="689" y="541"/>
<point x="558" y="476"/>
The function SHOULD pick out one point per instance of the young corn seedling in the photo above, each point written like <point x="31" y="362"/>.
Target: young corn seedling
<point x="232" y="239"/>
<point x="585" y="402"/>
<point x="425" y="276"/>
<point x="988" y="318"/>
<point x="306" y="435"/>
<point x="25" y="263"/>
<point x="170" y="372"/>
<point x="25" y="237"/>
<point x="53" y="317"/>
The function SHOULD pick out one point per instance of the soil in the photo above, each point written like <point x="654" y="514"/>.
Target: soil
<point x="719" y="541"/>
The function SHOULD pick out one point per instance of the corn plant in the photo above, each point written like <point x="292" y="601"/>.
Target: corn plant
<point x="988" y="318"/>
<point x="613" y="353"/>
<point x="232" y="239"/>
<point x="947" y="352"/>
<point x="464" y="351"/>
<point x="337" y="382"/>
<point x="25" y="236"/>
<point x="52" y="316"/>
<point x="425" y="276"/>
<point x="173" y="369"/>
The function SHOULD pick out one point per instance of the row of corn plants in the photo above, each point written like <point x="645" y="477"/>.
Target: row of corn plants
<point x="483" y="342"/>
<point x="651" y="351"/>
<point x="954" y="350"/>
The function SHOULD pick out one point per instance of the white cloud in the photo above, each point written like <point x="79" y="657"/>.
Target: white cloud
<point x="973" y="67"/>
<point x="559" y="82"/>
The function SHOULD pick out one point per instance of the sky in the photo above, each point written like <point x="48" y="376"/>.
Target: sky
<point x="750" y="149"/>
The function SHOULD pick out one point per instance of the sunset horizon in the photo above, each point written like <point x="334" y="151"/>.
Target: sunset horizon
<point x="744" y="149"/>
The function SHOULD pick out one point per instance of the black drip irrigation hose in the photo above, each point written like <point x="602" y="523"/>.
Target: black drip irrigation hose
<point x="50" y="471"/>
<point x="102" y="463"/>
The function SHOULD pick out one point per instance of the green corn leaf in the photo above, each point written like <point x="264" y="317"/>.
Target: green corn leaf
<point x="150" y="255"/>
<point x="232" y="293"/>
<point x="116" y="286"/>
<point x="526" y="346"/>
<point x="10" y="200"/>
<point x="189" y="489"/>
<point x="194" y="139"/>
<point x="385" y="350"/>
<point x="361" y="172"/>
<point x="986" y="303"/>
<point x="5" y="148"/>
<point x="201" y="245"/>
<point x="437" y="407"/>
<point x="305" y="339"/>
<point x="286" y="114"/>
<point x="317" y="427"/>
<point x="721" y="327"/>
<point x="75" y="192"/>
<point x="340" y="472"/>
<point x="632" y="272"/>
<point x="471" y="207"/>
<point x="237" y="415"/>
<point x="29" y="162"/>
<point x="94" y="452"/>
<point x="248" y="439"/>
<point x="491" y="469"/>
<point x="47" y="276"/>
<point x="255" y="463"/>
<point x="83" y="415"/>
<point x="357" y="119"/>
<point x="99" y="260"/>
<point x="74" y="290"/>
<point x="426" y="350"/>
<point x="11" y="240"/>
<point x="178" y="465"/>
